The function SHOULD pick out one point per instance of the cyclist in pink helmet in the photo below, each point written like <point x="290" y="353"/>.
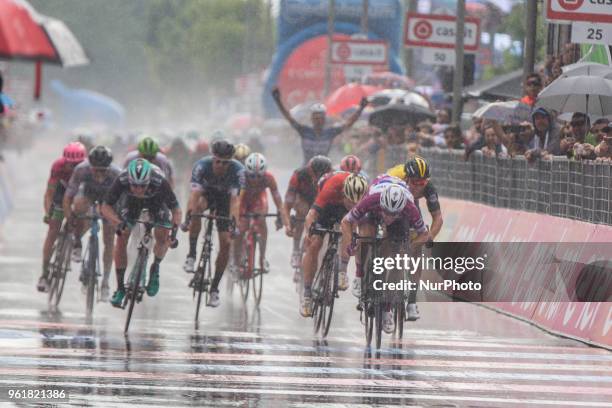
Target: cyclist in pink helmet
<point x="61" y="170"/>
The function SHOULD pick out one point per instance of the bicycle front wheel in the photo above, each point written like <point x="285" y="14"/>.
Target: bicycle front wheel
<point x="90" y="266"/>
<point x="134" y="286"/>
<point x="259" y="273"/>
<point x="61" y="266"/>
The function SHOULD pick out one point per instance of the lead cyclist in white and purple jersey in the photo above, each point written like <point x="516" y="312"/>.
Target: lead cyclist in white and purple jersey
<point x="388" y="202"/>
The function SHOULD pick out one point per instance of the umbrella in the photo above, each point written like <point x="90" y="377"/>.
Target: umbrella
<point x="511" y="112"/>
<point x="26" y="34"/>
<point x="347" y="96"/>
<point x="388" y="79"/>
<point x="587" y="94"/>
<point x="388" y="96"/>
<point x="399" y="114"/>
<point x="587" y="68"/>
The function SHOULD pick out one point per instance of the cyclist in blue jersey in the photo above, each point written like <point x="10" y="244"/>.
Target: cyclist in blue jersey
<point x="216" y="182"/>
<point x="317" y="139"/>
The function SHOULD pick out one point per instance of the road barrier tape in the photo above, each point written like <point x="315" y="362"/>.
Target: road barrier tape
<point x="554" y="290"/>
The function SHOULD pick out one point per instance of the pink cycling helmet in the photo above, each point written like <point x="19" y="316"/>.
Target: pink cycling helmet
<point x="75" y="152"/>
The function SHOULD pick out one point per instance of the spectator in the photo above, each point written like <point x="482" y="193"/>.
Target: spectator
<point x="425" y="134"/>
<point x="531" y="88"/>
<point x="492" y="144"/>
<point x="566" y="146"/>
<point x="598" y="129"/>
<point x="521" y="138"/>
<point x="443" y="118"/>
<point x="474" y="132"/>
<point x="603" y="150"/>
<point x="547" y="132"/>
<point x="453" y="137"/>
<point x="580" y="125"/>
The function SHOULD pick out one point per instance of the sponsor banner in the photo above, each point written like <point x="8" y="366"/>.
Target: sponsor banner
<point x="601" y="331"/>
<point x="596" y="11"/>
<point x="439" y="31"/>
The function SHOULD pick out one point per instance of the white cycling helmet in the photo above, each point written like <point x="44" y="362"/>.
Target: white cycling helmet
<point x="256" y="163"/>
<point x="394" y="198"/>
<point x="318" y="108"/>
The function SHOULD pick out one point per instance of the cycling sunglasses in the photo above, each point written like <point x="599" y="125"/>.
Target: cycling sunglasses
<point x="418" y="182"/>
<point x="223" y="162"/>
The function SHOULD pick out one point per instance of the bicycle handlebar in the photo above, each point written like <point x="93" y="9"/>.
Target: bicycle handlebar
<point x="255" y="215"/>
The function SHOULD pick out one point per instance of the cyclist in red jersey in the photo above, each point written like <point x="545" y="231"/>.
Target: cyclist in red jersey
<point x="300" y="195"/>
<point x="61" y="171"/>
<point x="254" y="199"/>
<point x="338" y="195"/>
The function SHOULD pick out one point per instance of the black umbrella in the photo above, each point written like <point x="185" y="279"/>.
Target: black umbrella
<point x="399" y="114"/>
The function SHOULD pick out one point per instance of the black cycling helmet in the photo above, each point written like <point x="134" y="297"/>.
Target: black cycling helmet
<point x="320" y="165"/>
<point x="100" y="156"/>
<point x="417" y="167"/>
<point x="223" y="149"/>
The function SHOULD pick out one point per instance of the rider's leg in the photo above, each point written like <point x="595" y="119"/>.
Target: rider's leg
<point x="222" y="258"/>
<point x="162" y="242"/>
<point x="195" y="227"/>
<point x="243" y="225"/>
<point x="301" y="208"/>
<point x="262" y="208"/>
<point x="108" y="235"/>
<point x="121" y="258"/>
<point x="80" y="206"/>
<point x="52" y="233"/>
<point x="310" y="260"/>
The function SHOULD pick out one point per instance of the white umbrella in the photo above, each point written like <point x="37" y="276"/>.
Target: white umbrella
<point x="510" y="112"/>
<point x="587" y="94"/>
<point x="587" y="68"/>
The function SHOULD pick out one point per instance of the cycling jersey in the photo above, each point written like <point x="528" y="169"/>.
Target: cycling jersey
<point x="203" y="178"/>
<point x="158" y="192"/>
<point x="92" y="188"/>
<point x="304" y="184"/>
<point x="313" y="144"/>
<point x="160" y="161"/>
<point x="332" y="191"/>
<point x="370" y="206"/>
<point x="256" y="185"/>
<point x="61" y="171"/>
<point x="429" y="192"/>
<point x="327" y="176"/>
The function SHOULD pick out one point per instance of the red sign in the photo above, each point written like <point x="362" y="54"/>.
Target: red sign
<point x="594" y="11"/>
<point x="360" y="52"/>
<point x="439" y="31"/>
<point x="302" y="77"/>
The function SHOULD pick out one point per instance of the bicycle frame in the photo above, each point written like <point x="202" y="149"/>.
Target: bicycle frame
<point x="91" y="261"/>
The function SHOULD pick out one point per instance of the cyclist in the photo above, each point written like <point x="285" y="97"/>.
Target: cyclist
<point x="89" y="183"/>
<point x="317" y="139"/>
<point x="141" y="185"/>
<point x="149" y="149"/>
<point x="339" y="194"/>
<point x="388" y="202"/>
<point x="415" y="172"/>
<point x="254" y="199"/>
<point x="215" y="184"/>
<point x="61" y="171"/>
<point x="300" y="195"/>
<point x="242" y="152"/>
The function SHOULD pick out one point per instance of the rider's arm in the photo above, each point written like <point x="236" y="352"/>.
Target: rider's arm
<point x="169" y="198"/>
<point x="67" y="206"/>
<point x="278" y="201"/>
<point x="49" y="193"/>
<point x="110" y="199"/>
<point x="346" y="227"/>
<point x="355" y="116"/>
<point x="284" y="110"/>
<point x="235" y="206"/>
<point x="109" y="214"/>
<point x="436" y="223"/>
<point x="311" y="218"/>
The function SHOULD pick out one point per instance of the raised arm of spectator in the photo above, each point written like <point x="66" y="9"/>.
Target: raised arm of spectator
<point x="355" y="116"/>
<point x="277" y="98"/>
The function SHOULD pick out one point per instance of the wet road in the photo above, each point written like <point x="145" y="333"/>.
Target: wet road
<point x="457" y="355"/>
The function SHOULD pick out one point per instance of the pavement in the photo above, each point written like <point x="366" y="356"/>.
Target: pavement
<point x="456" y="355"/>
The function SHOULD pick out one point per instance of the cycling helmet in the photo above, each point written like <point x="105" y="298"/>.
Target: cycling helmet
<point x="139" y="172"/>
<point x="318" y="108"/>
<point x="350" y="163"/>
<point x="256" y="163"/>
<point x="74" y="152"/>
<point x="417" y="167"/>
<point x="202" y="147"/>
<point x="223" y="149"/>
<point x="354" y="187"/>
<point x="393" y="198"/>
<point x="100" y="156"/>
<point x="320" y="165"/>
<point x="241" y="152"/>
<point x="148" y="147"/>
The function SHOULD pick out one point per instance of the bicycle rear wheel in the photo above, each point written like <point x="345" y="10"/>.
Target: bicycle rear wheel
<point x="399" y="315"/>
<point x="90" y="266"/>
<point x="330" y="292"/>
<point x="200" y="287"/>
<point x="134" y="286"/>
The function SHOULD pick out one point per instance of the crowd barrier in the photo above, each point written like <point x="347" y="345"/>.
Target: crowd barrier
<point x="580" y="190"/>
<point x="564" y="202"/>
<point x="582" y="266"/>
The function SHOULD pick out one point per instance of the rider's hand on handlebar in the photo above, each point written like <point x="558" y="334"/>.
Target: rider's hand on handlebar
<point x="173" y="240"/>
